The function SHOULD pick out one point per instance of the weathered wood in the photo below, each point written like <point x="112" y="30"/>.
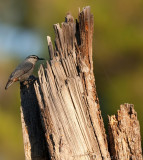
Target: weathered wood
<point x="124" y="134"/>
<point x="33" y="135"/>
<point x="86" y="65"/>
<point x="67" y="96"/>
<point x="61" y="114"/>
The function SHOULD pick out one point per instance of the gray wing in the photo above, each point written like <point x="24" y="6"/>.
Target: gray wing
<point x="21" y="70"/>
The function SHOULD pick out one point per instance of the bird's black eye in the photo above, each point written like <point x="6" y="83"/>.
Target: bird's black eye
<point x="34" y="57"/>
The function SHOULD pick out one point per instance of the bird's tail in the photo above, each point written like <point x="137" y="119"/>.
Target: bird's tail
<point x="9" y="83"/>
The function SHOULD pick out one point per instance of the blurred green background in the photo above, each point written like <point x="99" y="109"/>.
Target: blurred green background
<point x="117" y="53"/>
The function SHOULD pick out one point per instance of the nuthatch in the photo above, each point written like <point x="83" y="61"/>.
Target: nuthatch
<point x="23" y="70"/>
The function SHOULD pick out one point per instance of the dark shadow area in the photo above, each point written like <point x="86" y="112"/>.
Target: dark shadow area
<point x="32" y="120"/>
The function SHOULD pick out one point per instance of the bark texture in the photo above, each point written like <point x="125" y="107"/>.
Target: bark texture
<point x="67" y="94"/>
<point x="60" y="110"/>
<point x="33" y="135"/>
<point x="124" y="134"/>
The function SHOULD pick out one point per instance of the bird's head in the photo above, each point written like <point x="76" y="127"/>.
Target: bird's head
<point x="34" y="58"/>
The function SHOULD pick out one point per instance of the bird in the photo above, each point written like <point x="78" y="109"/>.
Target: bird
<point x="23" y="70"/>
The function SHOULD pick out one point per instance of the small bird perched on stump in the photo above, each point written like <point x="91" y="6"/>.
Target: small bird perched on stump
<point x="23" y="70"/>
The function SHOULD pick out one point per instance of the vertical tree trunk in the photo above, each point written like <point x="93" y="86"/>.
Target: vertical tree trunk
<point x="68" y="101"/>
<point x="63" y="112"/>
<point x="33" y="135"/>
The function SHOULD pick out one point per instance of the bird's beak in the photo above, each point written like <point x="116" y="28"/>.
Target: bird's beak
<point x="41" y="59"/>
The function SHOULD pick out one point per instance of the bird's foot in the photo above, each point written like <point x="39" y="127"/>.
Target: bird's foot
<point x="32" y="79"/>
<point x="29" y="82"/>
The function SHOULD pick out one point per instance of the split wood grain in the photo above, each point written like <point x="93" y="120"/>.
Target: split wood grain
<point x="33" y="135"/>
<point x="60" y="111"/>
<point x="66" y="93"/>
<point x="124" y="134"/>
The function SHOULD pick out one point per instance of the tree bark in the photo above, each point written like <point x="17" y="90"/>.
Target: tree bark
<point x="61" y="110"/>
<point x="124" y="134"/>
<point x="33" y="135"/>
<point x="68" y="100"/>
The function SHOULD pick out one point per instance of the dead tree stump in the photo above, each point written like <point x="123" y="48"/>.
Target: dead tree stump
<point x="33" y="135"/>
<point x="124" y="134"/>
<point x="66" y="98"/>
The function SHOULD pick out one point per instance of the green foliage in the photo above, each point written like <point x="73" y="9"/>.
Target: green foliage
<point x="10" y="136"/>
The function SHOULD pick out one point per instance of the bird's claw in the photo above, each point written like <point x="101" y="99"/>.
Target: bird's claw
<point x="28" y="82"/>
